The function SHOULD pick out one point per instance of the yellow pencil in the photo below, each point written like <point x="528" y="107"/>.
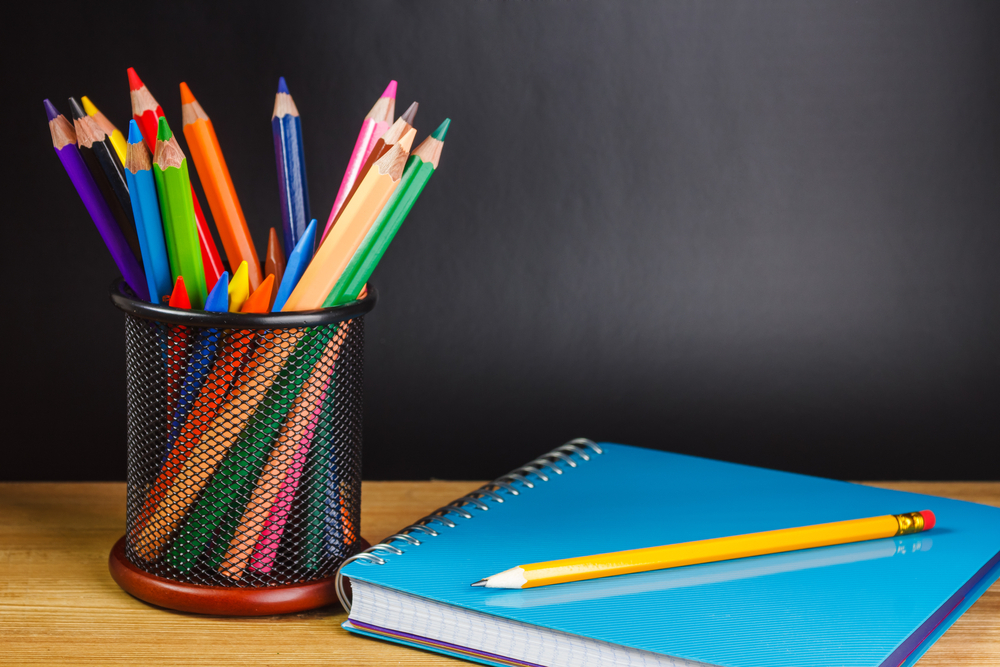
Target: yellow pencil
<point x="117" y="138"/>
<point x="239" y="288"/>
<point x="344" y="238"/>
<point x="709" y="551"/>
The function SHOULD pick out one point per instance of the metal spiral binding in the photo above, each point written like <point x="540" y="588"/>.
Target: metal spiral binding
<point x="538" y="468"/>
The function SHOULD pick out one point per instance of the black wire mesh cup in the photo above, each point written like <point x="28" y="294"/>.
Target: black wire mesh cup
<point x="244" y="455"/>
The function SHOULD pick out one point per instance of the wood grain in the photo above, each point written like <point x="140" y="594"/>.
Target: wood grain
<point x="59" y="605"/>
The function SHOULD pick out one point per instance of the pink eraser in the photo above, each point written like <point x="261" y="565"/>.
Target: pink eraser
<point x="929" y="519"/>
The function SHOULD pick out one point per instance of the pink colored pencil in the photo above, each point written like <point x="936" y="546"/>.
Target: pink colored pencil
<point x="378" y="120"/>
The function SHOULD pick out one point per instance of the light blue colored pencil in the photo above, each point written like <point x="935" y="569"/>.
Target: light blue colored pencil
<point x="146" y="210"/>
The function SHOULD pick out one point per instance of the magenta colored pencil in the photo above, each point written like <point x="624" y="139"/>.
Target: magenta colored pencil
<point x="374" y="126"/>
<point x="64" y="143"/>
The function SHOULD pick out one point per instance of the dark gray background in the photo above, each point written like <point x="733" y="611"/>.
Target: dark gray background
<point x="763" y="232"/>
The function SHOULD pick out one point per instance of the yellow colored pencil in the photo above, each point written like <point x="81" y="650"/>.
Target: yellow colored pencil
<point x="344" y="238"/>
<point x="709" y="551"/>
<point x="239" y="288"/>
<point x="117" y="138"/>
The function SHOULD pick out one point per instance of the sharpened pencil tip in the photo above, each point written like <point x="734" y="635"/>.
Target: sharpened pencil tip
<point x="481" y="583"/>
<point x="50" y="109"/>
<point x="282" y="86"/>
<point x="410" y="113"/>
<point x="134" y="82"/>
<point x="76" y="109"/>
<point x="442" y="130"/>
<point x="134" y="133"/>
<point x="88" y="106"/>
<point x="163" y="132"/>
<point x="187" y="97"/>
<point x="390" y="90"/>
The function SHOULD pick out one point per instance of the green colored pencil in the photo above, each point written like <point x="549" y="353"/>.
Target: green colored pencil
<point x="419" y="169"/>
<point x="173" y="184"/>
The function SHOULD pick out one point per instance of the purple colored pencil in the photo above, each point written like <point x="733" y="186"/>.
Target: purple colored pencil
<point x="64" y="143"/>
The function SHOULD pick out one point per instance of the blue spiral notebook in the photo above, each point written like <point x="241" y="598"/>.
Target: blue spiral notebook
<point x="880" y="603"/>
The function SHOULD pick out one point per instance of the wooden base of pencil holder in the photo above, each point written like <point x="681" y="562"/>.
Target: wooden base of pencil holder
<point x="220" y="600"/>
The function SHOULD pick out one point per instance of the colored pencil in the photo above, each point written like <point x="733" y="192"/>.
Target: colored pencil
<point x="293" y="188"/>
<point x="400" y="132"/>
<point x="215" y="440"/>
<point x="146" y="211"/>
<point x="336" y="251"/>
<point x="374" y="126"/>
<point x="281" y="470"/>
<point x="218" y="184"/>
<point x="117" y="139"/>
<point x="297" y="263"/>
<point x="709" y="551"/>
<point x="239" y="289"/>
<point x="419" y="169"/>
<point x="173" y="186"/>
<point x="109" y="174"/>
<point x="200" y="359"/>
<point x="260" y="300"/>
<point x="274" y="264"/>
<point x="146" y="112"/>
<point x="64" y="143"/>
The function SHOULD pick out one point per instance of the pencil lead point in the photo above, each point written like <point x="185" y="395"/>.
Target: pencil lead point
<point x="480" y="584"/>
<point x="442" y="130"/>
<point x="88" y="106"/>
<point x="410" y="113"/>
<point x="282" y="86"/>
<point x="390" y="90"/>
<point x="76" y="109"/>
<point x="134" y="133"/>
<point x="50" y="109"/>
<point x="186" y="96"/>
<point x="134" y="82"/>
<point x="163" y="132"/>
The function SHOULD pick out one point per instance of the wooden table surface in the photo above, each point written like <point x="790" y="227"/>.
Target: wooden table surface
<point x="59" y="605"/>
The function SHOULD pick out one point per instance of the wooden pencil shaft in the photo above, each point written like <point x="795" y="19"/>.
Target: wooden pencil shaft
<point x="179" y="225"/>
<point x="293" y="187"/>
<point x="220" y="191"/>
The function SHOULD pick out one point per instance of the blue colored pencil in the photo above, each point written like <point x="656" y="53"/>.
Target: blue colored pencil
<point x="200" y="361"/>
<point x="296" y="266"/>
<point x="146" y="210"/>
<point x="291" y="161"/>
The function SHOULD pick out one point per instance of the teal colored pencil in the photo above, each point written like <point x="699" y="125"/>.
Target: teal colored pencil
<point x="146" y="210"/>
<point x="419" y="169"/>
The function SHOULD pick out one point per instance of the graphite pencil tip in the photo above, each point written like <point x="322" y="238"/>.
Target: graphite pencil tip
<point x="163" y="132"/>
<point x="134" y="82"/>
<point x="481" y="583"/>
<point x="282" y="86"/>
<point x="134" y="133"/>
<point x="410" y="113"/>
<point x="186" y="96"/>
<point x="442" y="130"/>
<point x="390" y="90"/>
<point x="50" y="109"/>
<point x="76" y="109"/>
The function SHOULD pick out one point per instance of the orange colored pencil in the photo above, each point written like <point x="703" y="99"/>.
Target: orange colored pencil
<point x="260" y="301"/>
<point x="214" y="176"/>
<point x="336" y="251"/>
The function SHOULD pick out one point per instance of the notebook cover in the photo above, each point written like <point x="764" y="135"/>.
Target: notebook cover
<point x="860" y="605"/>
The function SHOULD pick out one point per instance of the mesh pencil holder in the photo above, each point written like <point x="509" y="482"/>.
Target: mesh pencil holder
<point x="244" y="456"/>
